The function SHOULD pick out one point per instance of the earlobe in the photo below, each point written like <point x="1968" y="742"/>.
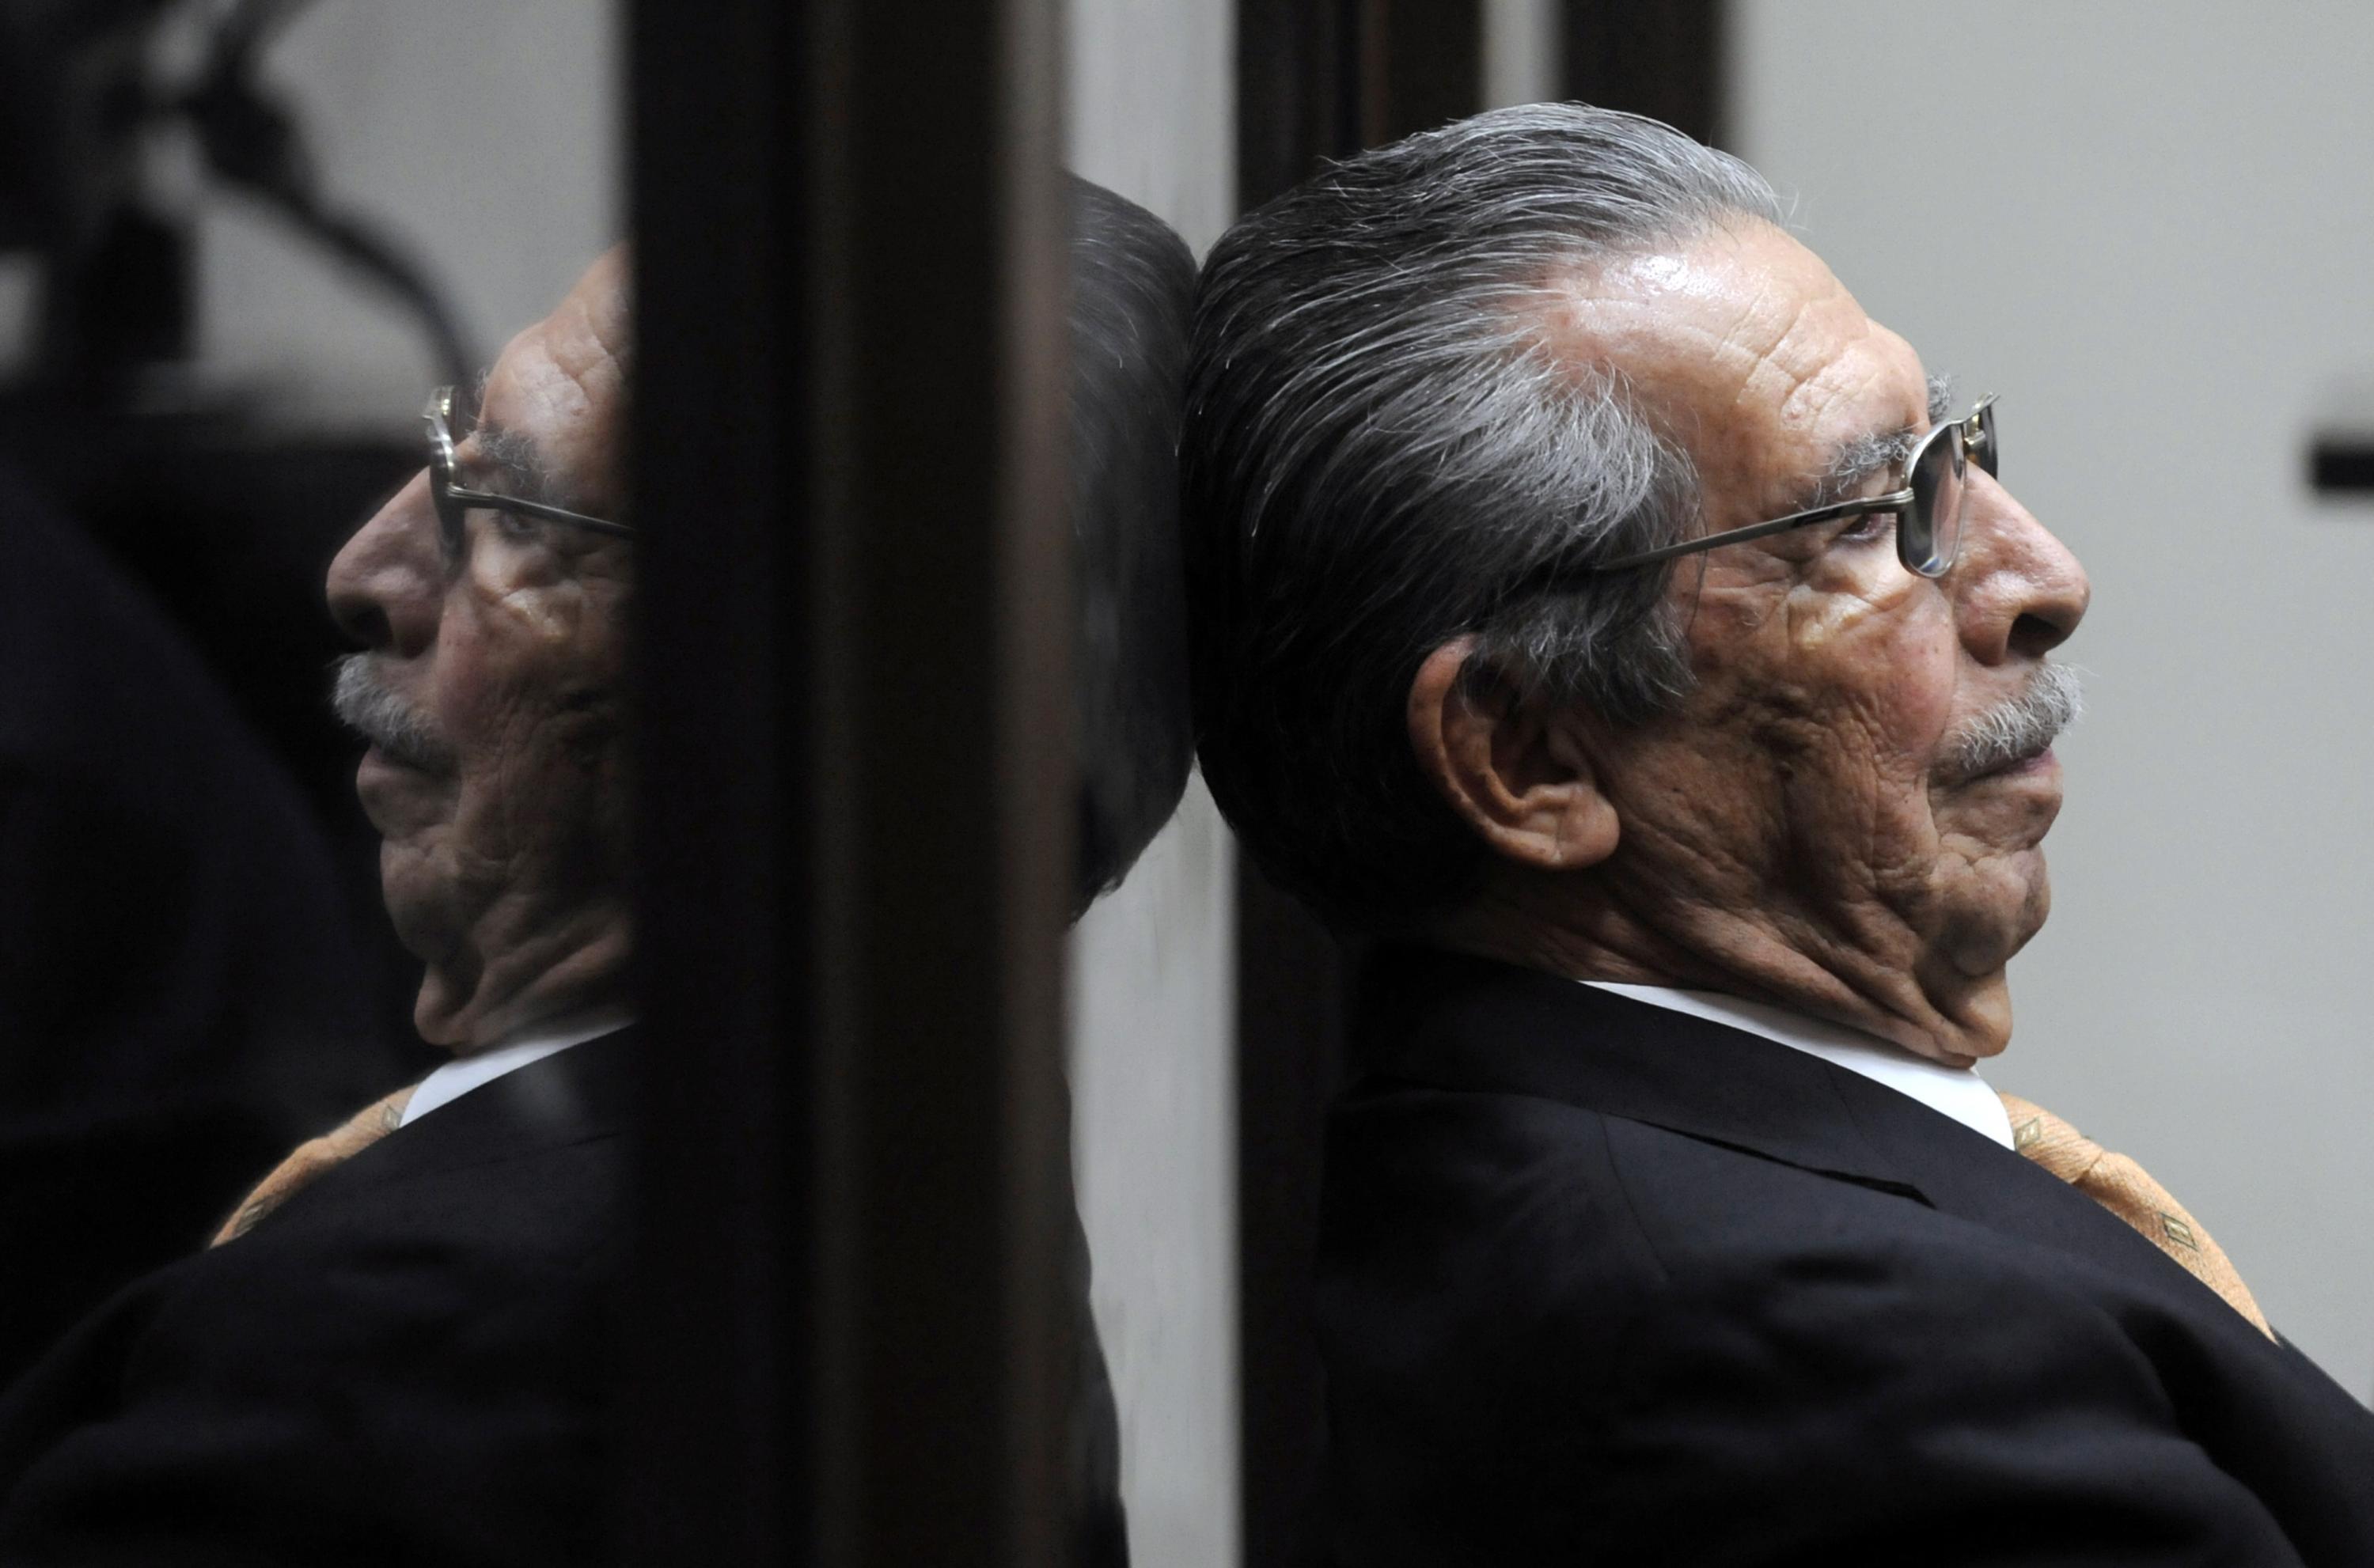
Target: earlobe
<point x="1517" y="772"/>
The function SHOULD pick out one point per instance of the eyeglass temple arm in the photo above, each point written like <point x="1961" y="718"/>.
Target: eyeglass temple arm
<point x="538" y="509"/>
<point x="1895" y="500"/>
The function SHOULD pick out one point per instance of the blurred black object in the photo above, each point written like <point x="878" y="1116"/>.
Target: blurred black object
<point x="2341" y="464"/>
<point x="71" y="105"/>
<point x="77" y="107"/>
<point x="182" y="993"/>
<point x="251" y="140"/>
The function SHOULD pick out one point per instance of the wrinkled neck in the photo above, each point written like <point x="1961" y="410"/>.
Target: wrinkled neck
<point x="1864" y="968"/>
<point x="521" y="966"/>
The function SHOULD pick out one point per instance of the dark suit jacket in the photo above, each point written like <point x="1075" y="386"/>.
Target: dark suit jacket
<point x="182" y="994"/>
<point x="1602" y="1282"/>
<point x="408" y="1362"/>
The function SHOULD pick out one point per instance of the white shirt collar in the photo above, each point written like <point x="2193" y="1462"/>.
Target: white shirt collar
<point x="457" y="1077"/>
<point x="1956" y="1092"/>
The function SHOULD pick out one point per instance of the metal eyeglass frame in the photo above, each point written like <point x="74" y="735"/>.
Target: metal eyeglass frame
<point x="1973" y="441"/>
<point x="452" y="500"/>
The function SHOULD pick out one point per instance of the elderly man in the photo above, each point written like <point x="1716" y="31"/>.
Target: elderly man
<point x="1593" y="603"/>
<point x="397" y="1348"/>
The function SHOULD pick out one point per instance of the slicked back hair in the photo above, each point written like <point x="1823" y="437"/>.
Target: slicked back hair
<point x="1383" y="452"/>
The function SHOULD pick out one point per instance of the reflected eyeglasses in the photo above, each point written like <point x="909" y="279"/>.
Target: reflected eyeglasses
<point x="1928" y="508"/>
<point x="454" y="500"/>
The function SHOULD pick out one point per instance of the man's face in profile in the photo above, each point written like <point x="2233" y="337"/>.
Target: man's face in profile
<point x="1814" y="773"/>
<point x="492" y="683"/>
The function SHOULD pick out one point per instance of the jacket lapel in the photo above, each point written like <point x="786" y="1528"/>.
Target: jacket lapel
<point x="571" y="1096"/>
<point x="1458" y="1022"/>
<point x="1466" y="1022"/>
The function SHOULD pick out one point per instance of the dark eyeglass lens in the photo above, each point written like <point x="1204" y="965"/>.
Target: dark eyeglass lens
<point x="1929" y="530"/>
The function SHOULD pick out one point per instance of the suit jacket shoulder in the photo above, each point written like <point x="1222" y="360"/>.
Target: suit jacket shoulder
<point x="1596" y="1278"/>
<point x="407" y="1362"/>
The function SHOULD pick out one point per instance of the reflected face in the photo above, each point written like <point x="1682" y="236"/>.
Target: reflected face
<point x="492" y="678"/>
<point x="1820" y="770"/>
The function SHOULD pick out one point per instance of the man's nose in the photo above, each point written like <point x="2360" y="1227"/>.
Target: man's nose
<point x="386" y="586"/>
<point x="2021" y="591"/>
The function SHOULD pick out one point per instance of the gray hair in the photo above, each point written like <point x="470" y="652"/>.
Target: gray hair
<point x="1382" y="453"/>
<point x="368" y="705"/>
<point x="1133" y="290"/>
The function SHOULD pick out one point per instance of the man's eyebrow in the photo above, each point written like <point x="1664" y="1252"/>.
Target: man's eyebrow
<point x="512" y="454"/>
<point x="1861" y="458"/>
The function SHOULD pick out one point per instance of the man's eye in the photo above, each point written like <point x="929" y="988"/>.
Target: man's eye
<point x="1866" y="525"/>
<point x="515" y="525"/>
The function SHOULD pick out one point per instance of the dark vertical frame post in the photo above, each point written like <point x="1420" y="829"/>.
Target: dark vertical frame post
<point x="1322" y="78"/>
<point x="1316" y="79"/>
<point x="1431" y="64"/>
<point x="1300" y="68"/>
<point x="1661" y="58"/>
<point x="1299" y="72"/>
<point x="848" y="1335"/>
<point x="715" y="1462"/>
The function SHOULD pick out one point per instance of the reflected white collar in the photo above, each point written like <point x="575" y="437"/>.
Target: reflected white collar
<point x="457" y="1077"/>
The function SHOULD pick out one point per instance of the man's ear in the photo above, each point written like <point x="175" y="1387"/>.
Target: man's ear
<point x="1518" y="773"/>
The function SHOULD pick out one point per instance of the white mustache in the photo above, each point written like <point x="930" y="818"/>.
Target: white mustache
<point x="2022" y="728"/>
<point x="367" y="705"/>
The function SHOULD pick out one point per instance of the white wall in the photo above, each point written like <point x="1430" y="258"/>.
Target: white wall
<point x="1520" y="52"/>
<point x="1151" y="83"/>
<point x="2147" y="222"/>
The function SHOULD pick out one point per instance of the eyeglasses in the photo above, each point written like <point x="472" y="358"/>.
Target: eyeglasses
<point x="1928" y="509"/>
<point x="454" y="501"/>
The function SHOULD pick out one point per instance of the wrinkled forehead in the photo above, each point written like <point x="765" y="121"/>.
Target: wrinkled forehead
<point x="1747" y="351"/>
<point x="562" y="386"/>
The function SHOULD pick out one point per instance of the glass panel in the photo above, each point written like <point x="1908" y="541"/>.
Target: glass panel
<point x="1152" y="1025"/>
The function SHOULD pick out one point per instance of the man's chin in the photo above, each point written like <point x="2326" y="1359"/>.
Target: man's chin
<point x="1978" y="1019"/>
<point x="2001" y="905"/>
<point x="420" y="903"/>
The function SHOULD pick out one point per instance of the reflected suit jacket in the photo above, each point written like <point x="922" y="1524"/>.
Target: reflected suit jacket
<point x="410" y="1362"/>
<point x="183" y="995"/>
<point x="1603" y="1283"/>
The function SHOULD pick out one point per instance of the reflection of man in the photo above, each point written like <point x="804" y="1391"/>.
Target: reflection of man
<point x="1671" y="1223"/>
<point x="397" y="1348"/>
